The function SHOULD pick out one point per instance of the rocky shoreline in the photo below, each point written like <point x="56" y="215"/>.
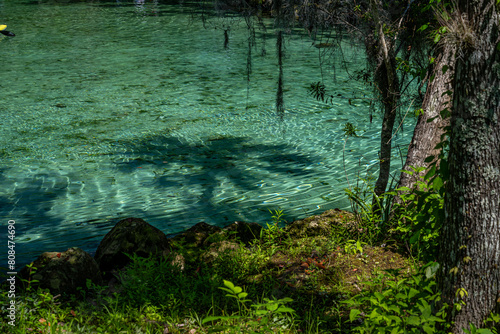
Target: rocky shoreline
<point x="65" y="272"/>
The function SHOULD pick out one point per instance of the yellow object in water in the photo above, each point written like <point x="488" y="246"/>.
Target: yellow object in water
<point x="5" y="32"/>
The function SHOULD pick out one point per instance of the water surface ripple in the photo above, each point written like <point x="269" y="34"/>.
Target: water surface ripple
<point x="119" y="109"/>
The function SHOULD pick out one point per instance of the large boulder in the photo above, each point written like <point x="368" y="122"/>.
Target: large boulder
<point x="61" y="272"/>
<point x="130" y="236"/>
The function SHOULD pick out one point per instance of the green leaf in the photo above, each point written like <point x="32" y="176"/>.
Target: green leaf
<point x="396" y="319"/>
<point x="403" y="305"/>
<point x="423" y="27"/>
<point x="413" y="320"/>
<point x="272" y="306"/>
<point x="374" y="314"/>
<point x="429" y="272"/>
<point x="484" y="331"/>
<point x="425" y="309"/>
<point x="242" y="295"/>
<point x="284" y="309"/>
<point x="400" y="295"/>
<point x="285" y="300"/>
<point x="354" y="314"/>
<point x="494" y="316"/>
<point x="412" y="293"/>
<point x="435" y="319"/>
<point x="426" y="313"/>
<point x="430" y="172"/>
<point x="394" y="308"/>
<point x="428" y="329"/>
<point x="229" y="284"/>
<point x="379" y="296"/>
<point x="237" y="290"/>
<point x="226" y="289"/>
<point x="437" y="183"/>
<point x="396" y="330"/>
<point x="430" y="158"/>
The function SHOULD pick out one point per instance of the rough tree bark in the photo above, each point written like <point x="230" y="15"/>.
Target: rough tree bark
<point x="470" y="249"/>
<point x="428" y="134"/>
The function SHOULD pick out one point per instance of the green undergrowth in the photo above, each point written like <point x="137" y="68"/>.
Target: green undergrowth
<point x="357" y="278"/>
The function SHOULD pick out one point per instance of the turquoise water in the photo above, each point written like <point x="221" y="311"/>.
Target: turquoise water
<point x="119" y="109"/>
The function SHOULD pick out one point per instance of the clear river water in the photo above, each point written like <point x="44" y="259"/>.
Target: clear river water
<point x="137" y="109"/>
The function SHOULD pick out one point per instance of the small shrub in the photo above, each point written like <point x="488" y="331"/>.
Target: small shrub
<point x="398" y="304"/>
<point x="262" y="317"/>
<point x="420" y="215"/>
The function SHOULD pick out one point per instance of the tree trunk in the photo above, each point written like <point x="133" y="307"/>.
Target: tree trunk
<point x="470" y="249"/>
<point x="428" y="134"/>
<point x="385" y="149"/>
<point x="387" y="82"/>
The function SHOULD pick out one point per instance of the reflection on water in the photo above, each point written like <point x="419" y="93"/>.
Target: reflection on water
<point x="120" y="109"/>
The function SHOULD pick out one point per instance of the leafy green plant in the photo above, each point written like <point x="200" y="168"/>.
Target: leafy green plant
<point x="276" y="216"/>
<point x="419" y="216"/>
<point x="272" y="235"/>
<point x="361" y="196"/>
<point x="259" y="318"/>
<point x="353" y="246"/>
<point x="398" y="304"/>
<point x="28" y="283"/>
<point x="492" y="319"/>
<point x="160" y="281"/>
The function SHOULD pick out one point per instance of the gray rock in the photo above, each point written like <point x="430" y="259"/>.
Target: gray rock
<point x="62" y="272"/>
<point x="131" y="236"/>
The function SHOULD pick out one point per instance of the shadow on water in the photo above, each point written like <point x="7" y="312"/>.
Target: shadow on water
<point x="173" y="164"/>
<point x="177" y="164"/>
<point x="29" y="206"/>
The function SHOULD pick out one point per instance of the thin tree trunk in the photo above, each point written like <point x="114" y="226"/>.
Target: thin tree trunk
<point x="470" y="249"/>
<point x="385" y="148"/>
<point x="430" y="124"/>
<point x="388" y="85"/>
<point x="280" y="108"/>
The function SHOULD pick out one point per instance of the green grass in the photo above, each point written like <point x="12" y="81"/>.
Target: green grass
<point x="282" y="282"/>
<point x="313" y="274"/>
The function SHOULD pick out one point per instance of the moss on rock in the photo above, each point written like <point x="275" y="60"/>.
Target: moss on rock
<point x="61" y="272"/>
<point x="320" y="225"/>
<point x="130" y="235"/>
